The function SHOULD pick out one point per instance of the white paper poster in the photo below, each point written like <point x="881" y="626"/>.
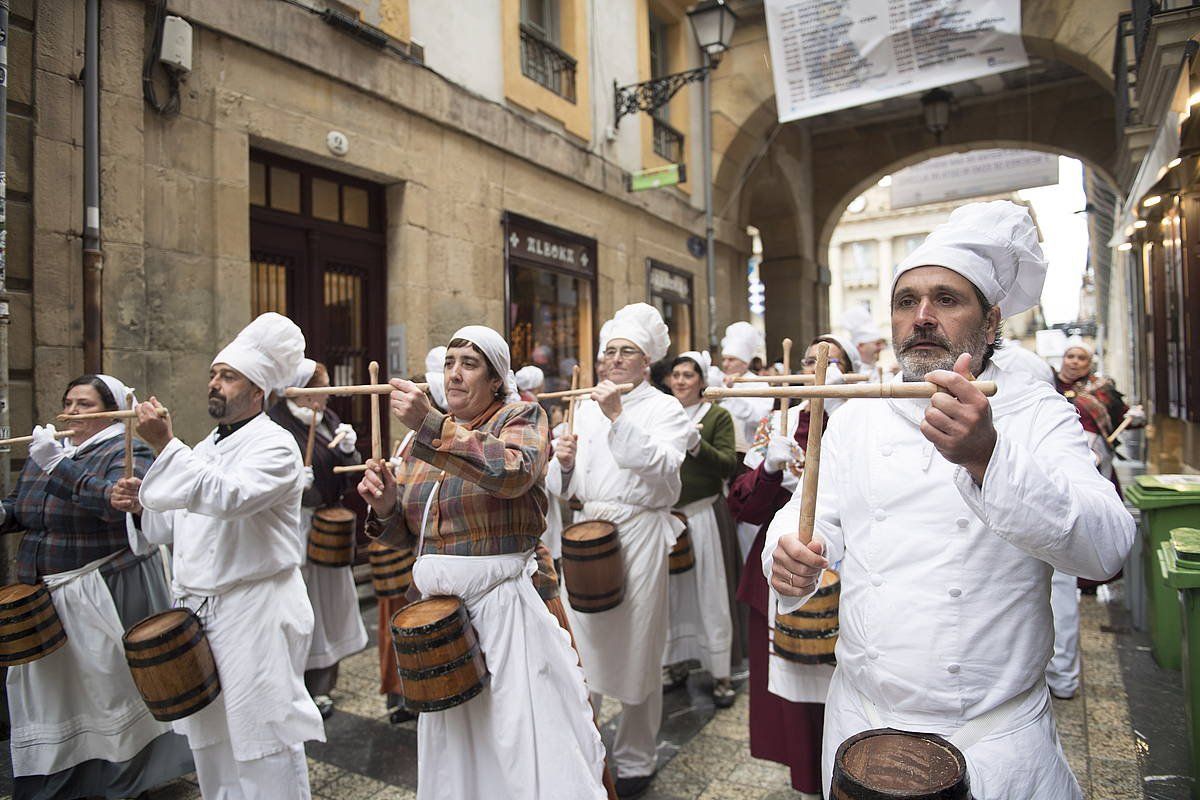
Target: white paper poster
<point x="828" y="55"/>
<point x="960" y="176"/>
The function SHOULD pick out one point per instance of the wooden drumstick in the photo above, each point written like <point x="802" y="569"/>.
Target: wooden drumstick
<point x="812" y="452"/>
<point x="350" y="468"/>
<point x="571" y="401"/>
<point x="346" y="391"/>
<point x="129" y="437"/>
<point x="130" y="414"/>
<point x="312" y="437"/>
<point x="29" y="439"/>
<point x="335" y="441"/>
<point x="1120" y="428"/>
<point x="784" y="401"/>
<point x="848" y="377"/>
<point x="623" y="388"/>
<point x="376" y="440"/>
<point x="917" y="389"/>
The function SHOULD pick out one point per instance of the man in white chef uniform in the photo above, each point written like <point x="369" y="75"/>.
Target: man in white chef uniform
<point x="949" y="516"/>
<point x="231" y="508"/>
<point x="623" y="463"/>
<point x="741" y="341"/>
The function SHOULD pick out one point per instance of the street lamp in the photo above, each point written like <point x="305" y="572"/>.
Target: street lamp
<point x="712" y="24"/>
<point x="936" y="105"/>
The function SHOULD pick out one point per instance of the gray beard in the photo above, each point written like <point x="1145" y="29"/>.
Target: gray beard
<point x="916" y="364"/>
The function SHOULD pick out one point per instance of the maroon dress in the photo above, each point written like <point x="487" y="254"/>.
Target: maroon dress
<point x="780" y="730"/>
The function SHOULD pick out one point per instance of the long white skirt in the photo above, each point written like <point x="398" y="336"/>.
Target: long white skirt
<point x="530" y="734"/>
<point x="79" y="702"/>
<point x="337" y="623"/>
<point x="700" y="624"/>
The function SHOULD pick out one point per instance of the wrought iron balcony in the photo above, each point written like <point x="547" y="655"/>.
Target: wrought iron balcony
<point x="545" y="64"/>
<point x="668" y="142"/>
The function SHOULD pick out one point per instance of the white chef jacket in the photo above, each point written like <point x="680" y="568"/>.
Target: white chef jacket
<point x="232" y="508"/>
<point x="627" y="472"/>
<point x="945" y="611"/>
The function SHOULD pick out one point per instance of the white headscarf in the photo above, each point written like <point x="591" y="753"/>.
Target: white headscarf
<point x="855" y="364"/>
<point x="437" y="388"/>
<point x="641" y="324"/>
<point x="995" y="246"/>
<point x="118" y="390"/>
<point x="435" y="360"/>
<point x="530" y="377"/>
<point x="702" y="359"/>
<point x="268" y="352"/>
<point x="742" y="340"/>
<point x="495" y="350"/>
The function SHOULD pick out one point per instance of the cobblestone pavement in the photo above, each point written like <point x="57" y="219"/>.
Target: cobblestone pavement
<point x="1121" y="733"/>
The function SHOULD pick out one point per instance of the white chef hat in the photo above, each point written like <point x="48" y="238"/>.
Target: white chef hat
<point x="495" y="350"/>
<point x="716" y="377"/>
<point x="995" y="246"/>
<point x="437" y="388"/>
<point x="530" y="377"/>
<point x="855" y="364"/>
<point x="702" y="358"/>
<point x="643" y="325"/>
<point x="268" y="352"/>
<point x="304" y="373"/>
<point x="118" y="390"/>
<point x="742" y="340"/>
<point x="858" y="323"/>
<point x="435" y="360"/>
<point x="604" y="329"/>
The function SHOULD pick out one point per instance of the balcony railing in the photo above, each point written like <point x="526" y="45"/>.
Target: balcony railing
<point x="545" y="64"/>
<point x="668" y="142"/>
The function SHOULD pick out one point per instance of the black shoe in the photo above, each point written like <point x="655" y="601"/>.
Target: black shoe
<point x="401" y="715"/>
<point x="674" y="677"/>
<point x="634" y="786"/>
<point x="324" y="705"/>
<point x="723" y="693"/>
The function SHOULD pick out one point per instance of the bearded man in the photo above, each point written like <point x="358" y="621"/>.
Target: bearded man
<point x="949" y="516"/>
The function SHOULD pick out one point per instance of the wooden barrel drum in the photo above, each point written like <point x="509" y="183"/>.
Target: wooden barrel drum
<point x="29" y="625"/>
<point x="331" y="538"/>
<point x="593" y="568"/>
<point x="391" y="569"/>
<point x="172" y="664"/>
<point x="682" y="557"/>
<point x="809" y="635"/>
<point x="887" y="764"/>
<point x="438" y="655"/>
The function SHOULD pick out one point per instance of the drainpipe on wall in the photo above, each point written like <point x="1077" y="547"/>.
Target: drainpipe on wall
<point x="5" y="452"/>
<point x="93" y="258"/>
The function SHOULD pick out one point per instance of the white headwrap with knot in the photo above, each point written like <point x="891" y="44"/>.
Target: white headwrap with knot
<point x="643" y="325"/>
<point x="855" y="364"/>
<point x="495" y="350"/>
<point x="742" y="340"/>
<point x="268" y="352"/>
<point x="702" y="359"/>
<point x="530" y="377"/>
<point x="118" y="390"/>
<point x="995" y="246"/>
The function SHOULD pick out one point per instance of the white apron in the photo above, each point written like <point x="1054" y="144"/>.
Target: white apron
<point x="1015" y="753"/>
<point x="700" y="623"/>
<point x="79" y="702"/>
<point x="259" y="633"/>
<point x="530" y="734"/>
<point x="622" y="648"/>
<point x="337" y="624"/>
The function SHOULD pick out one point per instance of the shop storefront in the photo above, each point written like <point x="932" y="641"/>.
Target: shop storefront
<point x="670" y="291"/>
<point x="550" y="291"/>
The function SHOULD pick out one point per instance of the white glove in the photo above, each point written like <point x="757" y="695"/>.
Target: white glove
<point x="781" y="451"/>
<point x="45" y="450"/>
<point x="347" y="444"/>
<point x="693" y="440"/>
<point x="309" y="478"/>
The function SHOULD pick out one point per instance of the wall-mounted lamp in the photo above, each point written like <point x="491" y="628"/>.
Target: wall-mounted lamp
<point x="936" y="105"/>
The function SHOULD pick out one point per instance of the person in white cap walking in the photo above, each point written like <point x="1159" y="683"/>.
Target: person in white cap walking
<point x="868" y="341"/>
<point x="230" y="507"/>
<point x="530" y="380"/>
<point x="623" y="462"/>
<point x="949" y="516"/>
<point x="738" y="347"/>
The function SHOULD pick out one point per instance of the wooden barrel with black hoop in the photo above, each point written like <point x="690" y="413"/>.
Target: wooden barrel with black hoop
<point x="809" y="634"/>
<point x="172" y="664"/>
<point x="331" y="537"/>
<point x="391" y="569"/>
<point x="593" y="567"/>
<point x="682" y="557"/>
<point x="29" y="625"/>
<point x="438" y="655"/>
<point x="887" y="764"/>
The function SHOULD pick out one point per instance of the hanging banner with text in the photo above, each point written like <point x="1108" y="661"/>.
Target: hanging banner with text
<point x="828" y="55"/>
<point x="960" y="176"/>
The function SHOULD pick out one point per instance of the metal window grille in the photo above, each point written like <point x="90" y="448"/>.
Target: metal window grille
<point x="668" y="142"/>
<point x="547" y="65"/>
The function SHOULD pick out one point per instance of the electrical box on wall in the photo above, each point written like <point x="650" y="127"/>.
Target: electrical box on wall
<point x="176" y="52"/>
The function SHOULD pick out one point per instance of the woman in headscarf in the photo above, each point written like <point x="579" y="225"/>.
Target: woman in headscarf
<point x="701" y="626"/>
<point x="470" y="495"/>
<point x="79" y="726"/>
<point x="338" y="627"/>
<point x="786" y="718"/>
<point x="1101" y="407"/>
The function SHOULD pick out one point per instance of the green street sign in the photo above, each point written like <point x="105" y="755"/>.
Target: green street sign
<point x="656" y="178"/>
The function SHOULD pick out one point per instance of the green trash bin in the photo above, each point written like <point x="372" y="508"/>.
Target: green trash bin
<point x="1183" y="577"/>
<point x="1166" y="502"/>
